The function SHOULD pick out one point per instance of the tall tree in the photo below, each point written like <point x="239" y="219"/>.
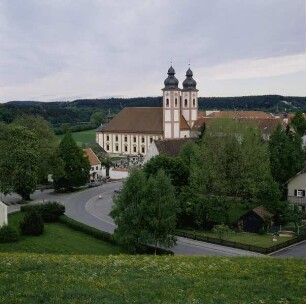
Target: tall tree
<point x="76" y="165"/>
<point x="232" y="160"/>
<point x="46" y="140"/>
<point x="145" y="211"/>
<point x="286" y="155"/>
<point x="174" y="168"/>
<point x="299" y="123"/>
<point x="129" y="213"/>
<point x="18" y="160"/>
<point x="161" y="210"/>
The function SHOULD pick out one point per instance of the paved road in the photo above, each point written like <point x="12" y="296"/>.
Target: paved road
<point x="87" y="207"/>
<point x="294" y="251"/>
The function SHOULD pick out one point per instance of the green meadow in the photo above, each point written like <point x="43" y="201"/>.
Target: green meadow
<point x="57" y="239"/>
<point x="35" y="278"/>
<point x="83" y="137"/>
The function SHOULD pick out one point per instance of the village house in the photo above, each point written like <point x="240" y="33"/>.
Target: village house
<point x="296" y="190"/>
<point x="95" y="172"/>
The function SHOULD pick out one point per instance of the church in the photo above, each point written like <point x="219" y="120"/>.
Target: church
<point x="133" y="129"/>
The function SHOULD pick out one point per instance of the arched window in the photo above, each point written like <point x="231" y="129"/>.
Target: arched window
<point x="186" y="101"/>
<point x="176" y="102"/>
<point x="167" y="102"/>
<point x="193" y="102"/>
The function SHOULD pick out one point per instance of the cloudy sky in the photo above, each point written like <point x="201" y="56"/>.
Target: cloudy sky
<point x="68" y="49"/>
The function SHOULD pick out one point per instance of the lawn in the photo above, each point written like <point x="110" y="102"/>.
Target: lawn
<point x="246" y="238"/>
<point x="33" y="278"/>
<point x="83" y="137"/>
<point x="57" y="239"/>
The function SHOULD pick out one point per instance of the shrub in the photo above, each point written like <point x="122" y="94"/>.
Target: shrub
<point x="32" y="223"/>
<point x="50" y="211"/>
<point x="98" y="234"/>
<point x="8" y="234"/>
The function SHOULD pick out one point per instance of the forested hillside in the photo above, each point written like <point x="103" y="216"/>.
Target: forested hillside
<point x="78" y="111"/>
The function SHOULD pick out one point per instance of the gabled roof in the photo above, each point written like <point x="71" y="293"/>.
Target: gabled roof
<point x="92" y="157"/>
<point x="137" y="120"/>
<point x="171" y="147"/>
<point x="262" y="212"/>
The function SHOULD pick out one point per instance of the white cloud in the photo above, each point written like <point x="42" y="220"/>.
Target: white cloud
<point x="257" y="68"/>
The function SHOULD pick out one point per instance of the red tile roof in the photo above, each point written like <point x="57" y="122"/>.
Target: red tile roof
<point x="92" y="157"/>
<point x="137" y="120"/>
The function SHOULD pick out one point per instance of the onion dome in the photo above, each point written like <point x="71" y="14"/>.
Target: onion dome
<point x="171" y="82"/>
<point x="189" y="82"/>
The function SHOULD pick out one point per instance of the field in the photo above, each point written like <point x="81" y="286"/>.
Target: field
<point x="33" y="278"/>
<point x="82" y="137"/>
<point x="57" y="239"/>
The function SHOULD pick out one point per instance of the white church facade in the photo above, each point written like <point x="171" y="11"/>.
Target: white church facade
<point x="133" y="129"/>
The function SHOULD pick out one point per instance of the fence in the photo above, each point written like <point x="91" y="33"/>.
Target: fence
<point x="227" y="243"/>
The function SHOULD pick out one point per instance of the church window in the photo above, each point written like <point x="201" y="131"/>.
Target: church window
<point x="125" y="138"/>
<point x="116" y="138"/>
<point x="185" y="103"/>
<point x="125" y="148"/>
<point x="116" y="148"/>
<point x="143" y="150"/>
<point x="134" y="139"/>
<point x="167" y="102"/>
<point x="107" y="137"/>
<point x="151" y="140"/>
<point x="142" y="139"/>
<point x="134" y="149"/>
<point x="176" y="102"/>
<point x="193" y="101"/>
<point x="107" y="147"/>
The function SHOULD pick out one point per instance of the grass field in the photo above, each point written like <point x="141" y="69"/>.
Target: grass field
<point x="82" y="137"/>
<point x="246" y="238"/>
<point x="32" y="278"/>
<point x="57" y="239"/>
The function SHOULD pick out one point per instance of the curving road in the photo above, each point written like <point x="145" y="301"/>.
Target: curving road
<point x="92" y="207"/>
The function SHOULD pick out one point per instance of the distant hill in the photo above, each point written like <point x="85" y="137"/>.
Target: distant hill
<point x="78" y="111"/>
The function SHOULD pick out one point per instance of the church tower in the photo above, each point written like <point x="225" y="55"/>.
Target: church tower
<point x="189" y="102"/>
<point x="171" y="106"/>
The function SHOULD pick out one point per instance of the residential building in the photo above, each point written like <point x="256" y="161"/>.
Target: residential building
<point x="95" y="172"/>
<point x="296" y="190"/>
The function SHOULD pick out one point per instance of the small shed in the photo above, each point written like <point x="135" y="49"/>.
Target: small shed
<point x="255" y="219"/>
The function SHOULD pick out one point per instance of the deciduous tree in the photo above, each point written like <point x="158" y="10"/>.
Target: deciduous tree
<point x="18" y="160"/>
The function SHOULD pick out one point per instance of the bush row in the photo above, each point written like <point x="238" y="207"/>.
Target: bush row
<point x="98" y="234"/>
<point x="106" y="236"/>
<point x="50" y="211"/>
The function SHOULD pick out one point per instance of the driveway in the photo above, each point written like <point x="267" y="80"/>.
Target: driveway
<point x="294" y="251"/>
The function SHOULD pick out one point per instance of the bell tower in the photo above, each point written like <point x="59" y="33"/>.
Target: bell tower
<point x="189" y="95"/>
<point x="171" y="106"/>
